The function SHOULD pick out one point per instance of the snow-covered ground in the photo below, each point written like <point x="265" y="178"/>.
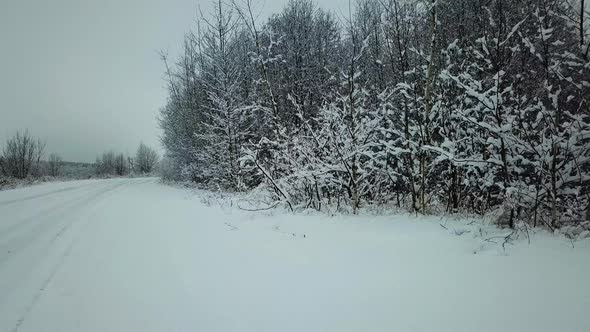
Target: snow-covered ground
<point x="136" y="255"/>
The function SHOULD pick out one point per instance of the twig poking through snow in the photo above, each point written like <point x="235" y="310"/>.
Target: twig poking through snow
<point x="260" y="209"/>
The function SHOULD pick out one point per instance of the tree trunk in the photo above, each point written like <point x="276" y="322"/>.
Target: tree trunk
<point x="428" y="90"/>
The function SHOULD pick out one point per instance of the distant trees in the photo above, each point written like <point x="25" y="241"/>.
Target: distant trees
<point x="145" y="159"/>
<point x="105" y="164"/>
<point x="118" y="164"/>
<point x="21" y="156"/>
<point x="430" y="105"/>
<point x="111" y="163"/>
<point x="54" y="164"/>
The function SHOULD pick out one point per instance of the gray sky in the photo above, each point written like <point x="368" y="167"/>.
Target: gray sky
<point x="85" y="76"/>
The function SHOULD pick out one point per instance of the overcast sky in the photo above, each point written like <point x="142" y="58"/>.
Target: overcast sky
<point x="85" y="75"/>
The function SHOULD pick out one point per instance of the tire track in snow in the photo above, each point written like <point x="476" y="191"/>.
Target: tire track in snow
<point x="28" y="198"/>
<point x="54" y="269"/>
<point x="22" y="222"/>
<point x="13" y="239"/>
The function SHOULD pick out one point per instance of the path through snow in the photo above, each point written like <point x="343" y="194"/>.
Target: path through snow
<point x="135" y="255"/>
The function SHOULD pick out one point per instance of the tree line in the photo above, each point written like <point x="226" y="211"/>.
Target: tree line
<point x="118" y="164"/>
<point x="23" y="157"/>
<point x="431" y="105"/>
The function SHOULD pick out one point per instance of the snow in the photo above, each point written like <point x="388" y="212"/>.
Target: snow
<point x="136" y="255"/>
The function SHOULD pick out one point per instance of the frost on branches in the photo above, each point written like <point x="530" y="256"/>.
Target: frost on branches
<point x="427" y="105"/>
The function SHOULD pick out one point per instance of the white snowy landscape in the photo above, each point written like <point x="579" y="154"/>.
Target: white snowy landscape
<point x="295" y="165"/>
<point x="137" y="255"/>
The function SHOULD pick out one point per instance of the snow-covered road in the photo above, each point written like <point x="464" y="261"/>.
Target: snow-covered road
<point x="136" y="255"/>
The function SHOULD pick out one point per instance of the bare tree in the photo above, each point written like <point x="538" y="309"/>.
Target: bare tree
<point x="54" y="164"/>
<point x="120" y="165"/>
<point x="112" y="164"/>
<point x="131" y="163"/>
<point x="105" y="164"/>
<point x="21" y="155"/>
<point x="145" y="159"/>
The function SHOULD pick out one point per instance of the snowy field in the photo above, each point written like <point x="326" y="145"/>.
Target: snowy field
<point x="136" y="255"/>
